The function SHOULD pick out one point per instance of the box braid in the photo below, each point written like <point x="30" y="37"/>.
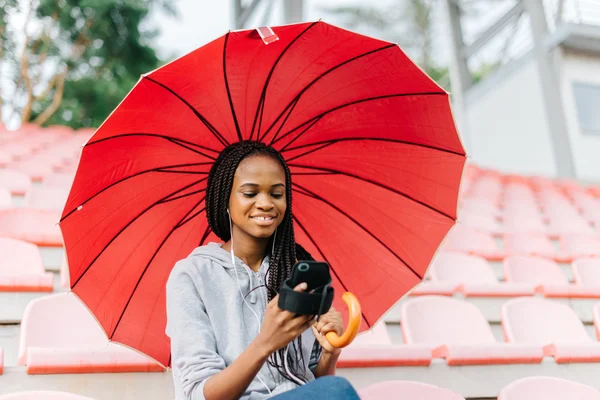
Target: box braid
<point x="286" y="250"/>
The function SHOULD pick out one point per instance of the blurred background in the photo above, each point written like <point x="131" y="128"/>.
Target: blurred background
<point x="523" y="74"/>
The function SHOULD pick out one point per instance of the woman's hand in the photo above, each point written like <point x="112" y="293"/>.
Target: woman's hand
<point x="329" y="322"/>
<point x="280" y="327"/>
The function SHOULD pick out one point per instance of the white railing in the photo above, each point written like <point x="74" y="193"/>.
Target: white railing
<point x="572" y="11"/>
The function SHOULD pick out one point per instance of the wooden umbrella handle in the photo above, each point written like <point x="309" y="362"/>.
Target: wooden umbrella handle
<point x="353" y="323"/>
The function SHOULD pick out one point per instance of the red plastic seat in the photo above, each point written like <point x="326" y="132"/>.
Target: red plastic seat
<point x="457" y="331"/>
<point x="30" y="225"/>
<point x="473" y="276"/>
<point x="43" y="395"/>
<point x="533" y="244"/>
<point x="470" y="241"/>
<point x="577" y="246"/>
<point x="59" y="335"/>
<point x="392" y="390"/>
<point x="16" y="182"/>
<point x="546" y="276"/>
<point x="22" y="269"/>
<point x="547" y="388"/>
<point x="552" y="325"/>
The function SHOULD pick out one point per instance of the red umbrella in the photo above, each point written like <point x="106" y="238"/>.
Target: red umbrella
<point x="369" y="138"/>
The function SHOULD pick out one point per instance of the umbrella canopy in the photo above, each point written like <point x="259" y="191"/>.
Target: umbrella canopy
<point x="370" y="140"/>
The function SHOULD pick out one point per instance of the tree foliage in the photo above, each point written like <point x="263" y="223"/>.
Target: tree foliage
<point x="79" y="58"/>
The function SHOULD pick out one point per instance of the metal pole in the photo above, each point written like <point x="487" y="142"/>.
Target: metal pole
<point x="460" y="76"/>
<point x="551" y="93"/>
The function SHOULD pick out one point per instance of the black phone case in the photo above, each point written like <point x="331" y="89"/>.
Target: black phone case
<point x="314" y="273"/>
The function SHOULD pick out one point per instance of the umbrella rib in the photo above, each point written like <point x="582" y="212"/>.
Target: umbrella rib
<point x="328" y="143"/>
<point x="127" y="226"/>
<point x="361" y="226"/>
<point x="376" y="184"/>
<point x="205" y="235"/>
<point x="166" y="137"/>
<point x="183" y="196"/>
<point x="268" y="80"/>
<point x="190" y="149"/>
<point x="327" y="261"/>
<point x="211" y="128"/>
<point x="382" y="97"/>
<point x="296" y="99"/>
<point x="235" y="120"/>
<point x="159" y="169"/>
<point x="148" y="265"/>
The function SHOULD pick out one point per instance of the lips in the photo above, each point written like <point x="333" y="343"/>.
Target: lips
<point x="264" y="220"/>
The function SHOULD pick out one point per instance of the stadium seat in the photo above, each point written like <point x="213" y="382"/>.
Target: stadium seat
<point x="64" y="274"/>
<point x="553" y="325"/>
<point x="375" y="349"/>
<point x="457" y="331"/>
<point x="36" y="226"/>
<point x="393" y="390"/>
<point x="532" y="244"/>
<point x="473" y="276"/>
<point x="47" y="198"/>
<point x="546" y="276"/>
<point x="59" y="335"/>
<point x="59" y="180"/>
<point x="471" y="241"/>
<point x="577" y="246"/>
<point x="5" y="201"/>
<point x="16" y="182"/>
<point x="586" y="272"/>
<point x="483" y="222"/>
<point x="547" y="388"/>
<point x="22" y="269"/>
<point x="1" y="361"/>
<point x="43" y="395"/>
<point x="36" y="170"/>
<point x="569" y="225"/>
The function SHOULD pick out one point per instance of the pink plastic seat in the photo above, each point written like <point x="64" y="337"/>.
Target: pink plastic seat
<point x="546" y="276"/>
<point x="533" y="244"/>
<point x="36" y="170"/>
<point x="483" y="222"/>
<point x="522" y="222"/>
<point x="1" y="361"/>
<point x="47" y="198"/>
<point x="392" y="390"/>
<point x="22" y="269"/>
<point x="16" y="182"/>
<point x="547" y="388"/>
<point x="59" y="335"/>
<point x="43" y="395"/>
<point x="586" y="272"/>
<point x="470" y="241"/>
<point x="59" y="180"/>
<point x="552" y="325"/>
<point x="36" y="226"/>
<point x="375" y="349"/>
<point x="569" y="225"/>
<point x="473" y="276"/>
<point x="5" y="201"/>
<point x="457" y="331"/>
<point x="577" y="246"/>
<point x="64" y="274"/>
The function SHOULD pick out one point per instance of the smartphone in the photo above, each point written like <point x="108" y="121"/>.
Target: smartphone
<point x="314" y="273"/>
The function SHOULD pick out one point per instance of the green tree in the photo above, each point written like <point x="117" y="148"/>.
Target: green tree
<point x="81" y="57"/>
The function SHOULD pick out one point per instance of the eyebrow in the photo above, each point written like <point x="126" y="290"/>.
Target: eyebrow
<point x="256" y="185"/>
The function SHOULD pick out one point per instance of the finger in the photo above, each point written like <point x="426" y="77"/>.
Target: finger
<point x="301" y="287"/>
<point x="328" y="328"/>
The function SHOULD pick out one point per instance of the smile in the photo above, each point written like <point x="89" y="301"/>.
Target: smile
<point x="263" y="218"/>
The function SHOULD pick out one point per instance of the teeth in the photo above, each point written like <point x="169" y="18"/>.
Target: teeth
<point x="263" y="218"/>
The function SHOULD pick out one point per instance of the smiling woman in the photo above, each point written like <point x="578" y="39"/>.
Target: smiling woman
<point x="229" y="338"/>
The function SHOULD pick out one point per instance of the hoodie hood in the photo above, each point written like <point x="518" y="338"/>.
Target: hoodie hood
<point x="215" y="253"/>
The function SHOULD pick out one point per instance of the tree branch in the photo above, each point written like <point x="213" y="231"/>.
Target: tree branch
<point x="56" y="100"/>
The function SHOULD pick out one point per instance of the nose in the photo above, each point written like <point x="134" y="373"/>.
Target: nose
<point x="264" y="202"/>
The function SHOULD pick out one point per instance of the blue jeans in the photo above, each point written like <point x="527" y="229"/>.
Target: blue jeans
<point x="327" y="387"/>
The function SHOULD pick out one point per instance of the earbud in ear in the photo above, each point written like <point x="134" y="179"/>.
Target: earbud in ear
<point x="228" y="211"/>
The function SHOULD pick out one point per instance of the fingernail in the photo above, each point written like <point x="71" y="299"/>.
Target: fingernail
<point x="303" y="286"/>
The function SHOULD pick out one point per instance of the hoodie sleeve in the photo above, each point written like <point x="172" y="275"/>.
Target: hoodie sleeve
<point x="193" y="344"/>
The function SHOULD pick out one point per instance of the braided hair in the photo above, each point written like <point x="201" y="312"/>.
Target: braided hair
<point x="285" y="250"/>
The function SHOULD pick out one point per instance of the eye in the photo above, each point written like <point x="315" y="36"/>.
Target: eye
<point x="249" y="195"/>
<point x="277" y="195"/>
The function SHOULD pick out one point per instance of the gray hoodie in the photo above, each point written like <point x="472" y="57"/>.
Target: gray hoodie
<point x="210" y="325"/>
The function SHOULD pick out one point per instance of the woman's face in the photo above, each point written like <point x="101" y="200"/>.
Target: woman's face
<point x="258" y="197"/>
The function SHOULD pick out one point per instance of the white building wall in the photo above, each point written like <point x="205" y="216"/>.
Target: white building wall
<point x="581" y="68"/>
<point x="506" y="124"/>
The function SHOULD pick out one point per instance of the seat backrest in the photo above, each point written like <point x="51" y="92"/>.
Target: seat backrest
<point x="378" y="335"/>
<point x="406" y="390"/>
<point x="586" y="271"/>
<point x="5" y="200"/>
<point x="533" y="269"/>
<point x="43" y="395"/>
<point x="596" y="317"/>
<point x="547" y="388"/>
<point x="16" y="182"/>
<point x="20" y="258"/>
<point x="581" y="245"/>
<point x="529" y="243"/>
<point x="463" y="238"/>
<point x="462" y="268"/>
<point x="540" y="321"/>
<point x="47" y="198"/>
<point x="438" y="320"/>
<point x="59" y="179"/>
<point x="59" y="321"/>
